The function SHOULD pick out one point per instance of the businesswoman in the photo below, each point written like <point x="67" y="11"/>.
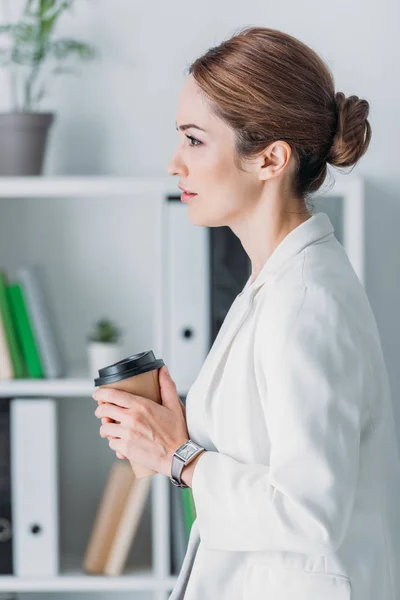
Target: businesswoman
<point x="297" y="488"/>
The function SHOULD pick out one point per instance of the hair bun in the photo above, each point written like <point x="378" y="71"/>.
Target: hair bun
<point x="353" y="132"/>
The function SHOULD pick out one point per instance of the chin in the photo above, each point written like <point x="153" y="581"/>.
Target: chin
<point x="202" y="219"/>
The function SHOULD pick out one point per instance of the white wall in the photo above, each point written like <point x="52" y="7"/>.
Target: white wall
<point x="118" y="116"/>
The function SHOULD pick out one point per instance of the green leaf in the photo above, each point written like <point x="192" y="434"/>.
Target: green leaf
<point x="47" y="23"/>
<point x="27" y="57"/>
<point x="62" y="49"/>
<point x="31" y="43"/>
<point x="25" y="33"/>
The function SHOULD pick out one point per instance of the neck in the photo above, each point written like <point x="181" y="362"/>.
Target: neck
<point x="262" y="229"/>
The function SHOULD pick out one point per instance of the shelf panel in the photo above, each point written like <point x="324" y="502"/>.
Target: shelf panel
<point x="73" y="578"/>
<point x="77" y="383"/>
<point x="42" y="186"/>
<point x="64" y="186"/>
<point x="66" y="387"/>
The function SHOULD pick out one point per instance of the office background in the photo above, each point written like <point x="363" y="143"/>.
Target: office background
<point x="117" y="117"/>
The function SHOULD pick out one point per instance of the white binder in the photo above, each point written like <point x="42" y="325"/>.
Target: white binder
<point x="34" y="486"/>
<point x="183" y="294"/>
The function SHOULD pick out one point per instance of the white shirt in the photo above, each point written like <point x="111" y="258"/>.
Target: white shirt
<point x="298" y="494"/>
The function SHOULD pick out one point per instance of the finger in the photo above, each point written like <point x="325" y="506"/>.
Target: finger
<point x="117" y="445"/>
<point x="119" y="455"/>
<point x="113" y="430"/>
<point x="104" y="419"/>
<point x="117" y="397"/>
<point x="115" y="413"/>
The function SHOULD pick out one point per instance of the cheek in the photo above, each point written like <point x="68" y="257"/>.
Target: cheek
<point x="217" y="180"/>
<point x="220" y="185"/>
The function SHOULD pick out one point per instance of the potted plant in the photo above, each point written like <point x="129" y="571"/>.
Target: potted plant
<point x="32" y="55"/>
<point x="104" y="346"/>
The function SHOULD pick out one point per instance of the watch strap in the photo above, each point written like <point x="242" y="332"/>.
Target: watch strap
<point x="176" y="470"/>
<point x="178" y="463"/>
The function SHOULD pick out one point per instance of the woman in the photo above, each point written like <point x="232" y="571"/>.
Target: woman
<point x="296" y="491"/>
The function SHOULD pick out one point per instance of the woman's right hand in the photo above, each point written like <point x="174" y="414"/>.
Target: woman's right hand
<point x="108" y="420"/>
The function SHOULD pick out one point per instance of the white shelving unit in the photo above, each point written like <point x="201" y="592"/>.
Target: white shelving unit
<point x="78" y="386"/>
<point x="155" y="580"/>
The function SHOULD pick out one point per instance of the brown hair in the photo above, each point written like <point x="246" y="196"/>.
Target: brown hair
<point x="267" y="85"/>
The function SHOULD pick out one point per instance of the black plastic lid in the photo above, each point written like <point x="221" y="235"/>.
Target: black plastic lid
<point x="135" y="364"/>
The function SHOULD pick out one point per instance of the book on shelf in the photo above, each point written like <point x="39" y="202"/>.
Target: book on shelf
<point x="127" y="526"/>
<point x="28" y="487"/>
<point x="34" y="487"/>
<point x="9" y="348"/>
<point x="6" y="525"/>
<point x="29" y="346"/>
<point x="42" y="321"/>
<point x="178" y="534"/>
<point x="6" y="366"/>
<point x="116" y="522"/>
<point x="24" y="330"/>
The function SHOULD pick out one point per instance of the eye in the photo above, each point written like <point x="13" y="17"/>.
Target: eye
<point x="193" y="139"/>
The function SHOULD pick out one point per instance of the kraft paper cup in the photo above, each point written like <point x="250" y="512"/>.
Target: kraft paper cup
<point x="136" y="374"/>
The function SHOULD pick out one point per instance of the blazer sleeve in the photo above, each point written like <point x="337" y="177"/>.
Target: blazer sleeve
<point x="301" y="501"/>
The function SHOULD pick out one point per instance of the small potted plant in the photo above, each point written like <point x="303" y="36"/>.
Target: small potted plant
<point x="32" y="54"/>
<point x="104" y="346"/>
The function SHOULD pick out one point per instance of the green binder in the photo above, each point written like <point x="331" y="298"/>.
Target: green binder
<point x="188" y="508"/>
<point x="24" y="330"/>
<point x="17" y="359"/>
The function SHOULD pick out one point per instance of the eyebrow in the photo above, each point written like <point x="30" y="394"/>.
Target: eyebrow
<point x="188" y="126"/>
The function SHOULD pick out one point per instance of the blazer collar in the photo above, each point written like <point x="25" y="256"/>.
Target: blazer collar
<point x="317" y="227"/>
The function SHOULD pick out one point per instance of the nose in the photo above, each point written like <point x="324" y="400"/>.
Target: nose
<point x="176" y="167"/>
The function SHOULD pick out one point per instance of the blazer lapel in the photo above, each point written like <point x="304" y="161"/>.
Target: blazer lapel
<point x="314" y="229"/>
<point x="230" y="326"/>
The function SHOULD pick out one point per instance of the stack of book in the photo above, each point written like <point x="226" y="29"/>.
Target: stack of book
<point x="29" y="347"/>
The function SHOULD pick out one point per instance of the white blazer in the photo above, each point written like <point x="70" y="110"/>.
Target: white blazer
<point x="298" y="494"/>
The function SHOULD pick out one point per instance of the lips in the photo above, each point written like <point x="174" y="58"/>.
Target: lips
<point x="186" y="191"/>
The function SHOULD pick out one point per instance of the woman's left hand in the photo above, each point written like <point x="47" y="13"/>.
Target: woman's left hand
<point x="145" y="432"/>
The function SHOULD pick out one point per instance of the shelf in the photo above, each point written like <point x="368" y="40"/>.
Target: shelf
<point x="64" y="186"/>
<point x="76" y="384"/>
<point x="13" y="187"/>
<point x="73" y="578"/>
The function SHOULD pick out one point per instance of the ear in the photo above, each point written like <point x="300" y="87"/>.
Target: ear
<point x="274" y="159"/>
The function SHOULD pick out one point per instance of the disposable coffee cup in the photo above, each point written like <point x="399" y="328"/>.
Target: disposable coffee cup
<point x="136" y="374"/>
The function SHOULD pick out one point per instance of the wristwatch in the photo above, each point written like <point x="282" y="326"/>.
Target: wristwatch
<point x="181" y="457"/>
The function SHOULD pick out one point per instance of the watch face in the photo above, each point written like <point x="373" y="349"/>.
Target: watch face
<point x="187" y="450"/>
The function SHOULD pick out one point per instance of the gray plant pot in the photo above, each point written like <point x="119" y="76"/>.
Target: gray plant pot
<point x="23" y="138"/>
